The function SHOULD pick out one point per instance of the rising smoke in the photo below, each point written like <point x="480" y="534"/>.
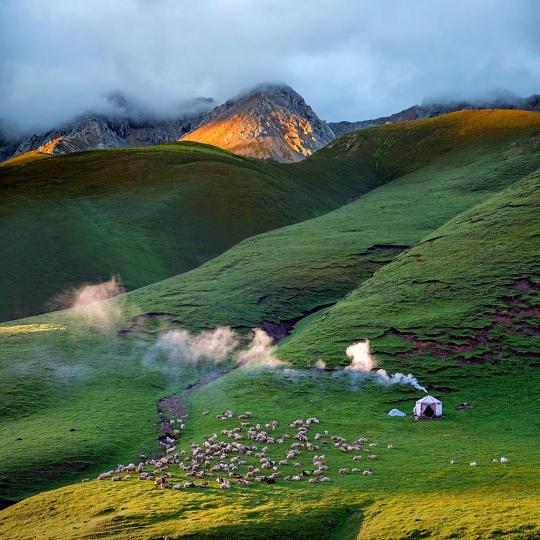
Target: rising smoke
<point x="93" y="306"/>
<point x="178" y="348"/>
<point x="362" y="361"/>
<point x="183" y="347"/>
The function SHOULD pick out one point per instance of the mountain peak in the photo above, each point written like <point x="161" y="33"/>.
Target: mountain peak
<point x="271" y="121"/>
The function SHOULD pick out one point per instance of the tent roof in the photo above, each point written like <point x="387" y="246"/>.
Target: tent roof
<point x="396" y="412"/>
<point x="428" y="400"/>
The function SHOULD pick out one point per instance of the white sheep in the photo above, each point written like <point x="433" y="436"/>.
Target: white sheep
<point x="504" y="460"/>
<point x="473" y="463"/>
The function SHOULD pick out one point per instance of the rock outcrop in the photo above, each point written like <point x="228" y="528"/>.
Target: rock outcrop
<point x="93" y="131"/>
<point x="270" y="122"/>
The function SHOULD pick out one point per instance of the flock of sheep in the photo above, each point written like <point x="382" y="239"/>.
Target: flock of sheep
<point x="242" y="454"/>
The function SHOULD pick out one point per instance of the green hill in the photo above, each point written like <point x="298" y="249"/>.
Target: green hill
<point x="145" y="214"/>
<point x="436" y="266"/>
<point x="467" y="292"/>
<point x="287" y="273"/>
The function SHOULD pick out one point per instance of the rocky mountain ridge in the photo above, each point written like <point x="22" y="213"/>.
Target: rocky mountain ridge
<point x="93" y="131"/>
<point x="429" y="110"/>
<point x="270" y="122"/>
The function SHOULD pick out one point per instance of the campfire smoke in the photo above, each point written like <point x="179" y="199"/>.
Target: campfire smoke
<point x="94" y="305"/>
<point x="181" y="347"/>
<point x="362" y="361"/>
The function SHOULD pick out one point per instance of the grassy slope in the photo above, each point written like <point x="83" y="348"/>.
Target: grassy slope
<point x="146" y="214"/>
<point x="468" y="291"/>
<point x="25" y="158"/>
<point x="408" y="474"/>
<point x="286" y="273"/>
<point x="414" y="491"/>
<point x="322" y="252"/>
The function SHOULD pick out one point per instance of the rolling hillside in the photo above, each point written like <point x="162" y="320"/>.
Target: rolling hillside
<point x="59" y="374"/>
<point x="145" y="214"/>
<point x="437" y="167"/>
<point x="437" y="264"/>
<point x="468" y="292"/>
<point x="414" y="491"/>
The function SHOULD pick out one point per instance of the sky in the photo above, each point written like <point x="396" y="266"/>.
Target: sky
<point x="350" y="59"/>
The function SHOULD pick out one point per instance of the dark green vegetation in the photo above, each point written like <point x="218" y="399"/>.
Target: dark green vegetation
<point x="146" y="214"/>
<point x="469" y="292"/>
<point x="438" y="267"/>
<point x="440" y="168"/>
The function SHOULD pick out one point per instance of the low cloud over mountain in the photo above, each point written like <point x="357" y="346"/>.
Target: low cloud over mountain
<point x="349" y="59"/>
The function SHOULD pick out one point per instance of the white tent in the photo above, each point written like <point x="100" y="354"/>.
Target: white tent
<point x="428" y="407"/>
<point x="396" y="412"/>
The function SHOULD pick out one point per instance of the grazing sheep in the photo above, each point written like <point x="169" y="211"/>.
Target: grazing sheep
<point x="473" y="463"/>
<point x="357" y="458"/>
<point x="324" y="479"/>
<point x="343" y="471"/>
<point x="494" y="460"/>
<point x="452" y="462"/>
<point x="177" y="486"/>
<point x="116" y="478"/>
<point x="355" y="469"/>
<point x="504" y="460"/>
<point x="372" y="456"/>
<point x="390" y="446"/>
<point x="367" y="472"/>
<point x="313" y="480"/>
<point x="85" y="480"/>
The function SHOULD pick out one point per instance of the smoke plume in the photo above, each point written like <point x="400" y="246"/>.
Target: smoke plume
<point x="260" y="352"/>
<point x="213" y="345"/>
<point x="360" y="355"/>
<point x="94" y="305"/>
<point x="362" y="361"/>
<point x="178" y="348"/>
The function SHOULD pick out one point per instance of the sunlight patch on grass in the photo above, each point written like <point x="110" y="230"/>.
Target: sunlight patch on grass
<point x="30" y="328"/>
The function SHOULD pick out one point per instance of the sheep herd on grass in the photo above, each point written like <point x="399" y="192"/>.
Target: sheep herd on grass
<point x="248" y="452"/>
<point x="252" y="452"/>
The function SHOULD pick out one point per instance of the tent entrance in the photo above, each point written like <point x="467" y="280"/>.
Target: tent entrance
<point x="429" y="412"/>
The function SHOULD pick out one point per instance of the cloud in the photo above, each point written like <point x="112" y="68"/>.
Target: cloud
<point x="350" y="59"/>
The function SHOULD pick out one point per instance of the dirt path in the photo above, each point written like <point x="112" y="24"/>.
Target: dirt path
<point x="171" y="407"/>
